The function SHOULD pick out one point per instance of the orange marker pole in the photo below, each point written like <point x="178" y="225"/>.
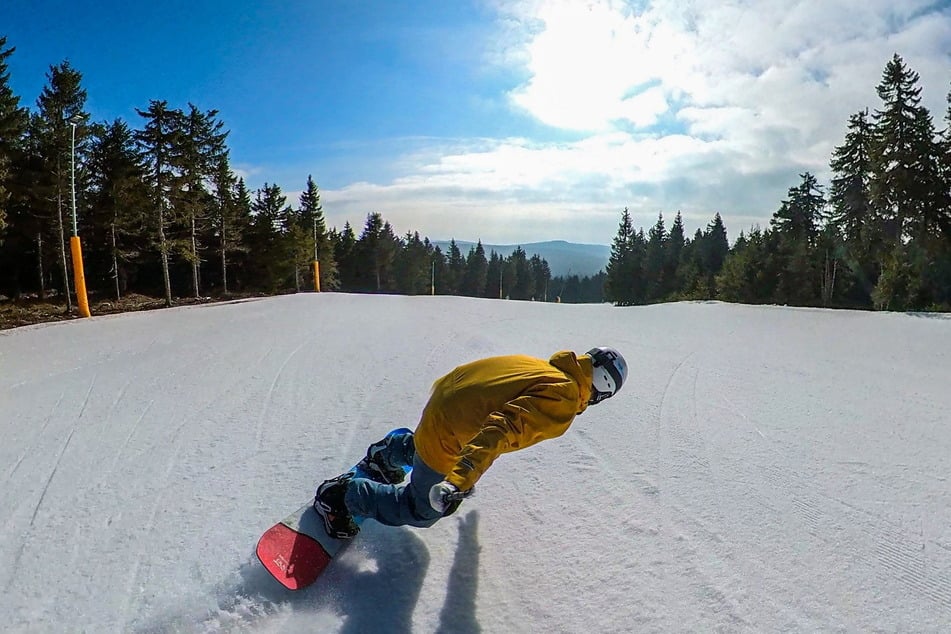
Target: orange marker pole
<point x="78" y="276"/>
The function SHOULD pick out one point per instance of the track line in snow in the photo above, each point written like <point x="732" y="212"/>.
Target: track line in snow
<point x="901" y="555"/>
<point x="350" y="437"/>
<point x="118" y="398"/>
<point x="896" y="553"/>
<point x="670" y="380"/>
<point x="904" y="560"/>
<point x="125" y="443"/>
<point x="259" y="432"/>
<point x="683" y="450"/>
<point x="132" y="577"/>
<point x="157" y="499"/>
<point x="82" y="409"/>
<point x="62" y="451"/>
<point x="685" y="460"/>
<point x="46" y="487"/>
<point x="27" y="451"/>
<point x="596" y="461"/>
<point x="661" y="432"/>
<point x="135" y="426"/>
<point x="14" y="567"/>
<point x="713" y="465"/>
<point x="733" y="409"/>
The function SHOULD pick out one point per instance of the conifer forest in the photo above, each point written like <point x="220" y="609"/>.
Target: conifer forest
<point x="161" y="212"/>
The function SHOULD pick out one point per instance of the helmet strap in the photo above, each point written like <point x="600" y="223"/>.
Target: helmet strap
<point x="597" y="396"/>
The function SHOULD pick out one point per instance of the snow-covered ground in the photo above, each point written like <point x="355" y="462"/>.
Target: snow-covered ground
<point x="765" y="469"/>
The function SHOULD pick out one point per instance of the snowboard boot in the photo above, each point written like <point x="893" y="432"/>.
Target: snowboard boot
<point x="376" y="465"/>
<point x="329" y="504"/>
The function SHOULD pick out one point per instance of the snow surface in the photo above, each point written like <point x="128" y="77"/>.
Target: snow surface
<point x="766" y="469"/>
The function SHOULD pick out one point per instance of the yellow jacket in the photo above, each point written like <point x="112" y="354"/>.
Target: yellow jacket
<point x="497" y="405"/>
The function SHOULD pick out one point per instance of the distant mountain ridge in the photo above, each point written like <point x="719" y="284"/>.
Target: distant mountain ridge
<point x="563" y="257"/>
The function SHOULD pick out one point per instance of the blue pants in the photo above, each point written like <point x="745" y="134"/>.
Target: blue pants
<point x="401" y="504"/>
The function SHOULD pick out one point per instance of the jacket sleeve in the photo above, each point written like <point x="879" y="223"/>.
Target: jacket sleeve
<point x="543" y="412"/>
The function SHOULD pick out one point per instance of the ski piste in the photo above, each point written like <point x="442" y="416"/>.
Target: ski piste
<point x="298" y="549"/>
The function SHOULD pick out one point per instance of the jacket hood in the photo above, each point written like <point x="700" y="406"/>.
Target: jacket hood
<point x="579" y="369"/>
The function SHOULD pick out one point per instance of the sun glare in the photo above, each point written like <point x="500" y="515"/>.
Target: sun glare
<point x="587" y="66"/>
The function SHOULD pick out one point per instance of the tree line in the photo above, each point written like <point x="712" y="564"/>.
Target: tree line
<point x="879" y="236"/>
<point x="161" y="212"/>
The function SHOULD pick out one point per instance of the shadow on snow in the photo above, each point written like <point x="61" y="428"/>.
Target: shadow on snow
<point x="372" y="586"/>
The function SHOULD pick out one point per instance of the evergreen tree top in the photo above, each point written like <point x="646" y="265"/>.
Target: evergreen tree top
<point x="899" y="84"/>
<point x="13" y="118"/>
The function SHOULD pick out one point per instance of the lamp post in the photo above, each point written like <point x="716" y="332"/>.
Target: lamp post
<point x="74" y="244"/>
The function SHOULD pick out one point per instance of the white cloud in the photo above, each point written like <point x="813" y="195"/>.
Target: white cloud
<point x="515" y="188"/>
<point x="583" y="63"/>
<point x="644" y="108"/>
<point x="758" y="91"/>
<point x="248" y="172"/>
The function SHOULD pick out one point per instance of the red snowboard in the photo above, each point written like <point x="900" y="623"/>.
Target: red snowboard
<point x="296" y="550"/>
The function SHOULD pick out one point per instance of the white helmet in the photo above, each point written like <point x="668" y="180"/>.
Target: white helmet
<point x="610" y="373"/>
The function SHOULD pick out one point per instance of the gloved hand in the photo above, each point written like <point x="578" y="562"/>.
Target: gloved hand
<point x="444" y="496"/>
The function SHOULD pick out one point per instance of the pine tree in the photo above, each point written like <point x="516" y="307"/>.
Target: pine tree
<point x="939" y="273"/>
<point x="851" y="208"/>
<point x="413" y="266"/>
<point x="13" y="123"/>
<point x="377" y="246"/>
<point x="906" y="189"/>
<point x="639" y="255"/>
<point x="692" y="283"/>
<point x="271" y="259"/>
<point x="23" y="248"/>
<point x="522" y="284"/>
<point x="158" y="141"/>
<point x="494" y="284"/>
<point x="717" y="244"/>
<point x="944" y="153"/>
<point x="62" y="99"/>
<point x="235" y="230"/>
<point x="624" y="268"/>
<point x="200" y="148"/>
<point x="573" y="289"/>
<point x="541" y="273"/>
<point x="799" y="216"/>
<point x="116" y="236"/>
<point x="734" y="282"/>
<point x="17" y="166"/>
<point x="345" y="253"/>
<point x="439" y="272"/>
<point x="796" y="224"/>
<point x="477" y="272"/>
<point x="456" y="269"/>
<point x="312" y="214"/>
<point x="676" y="242"/>
<point x="655" y="261"/>
<point x="298" y="242"/>
<point x="748" y="274"/>
<point x="904" y="171"/>
<point x="830" y="251"/>
<point x="708" y="252"/>
<point x="852" y="168"/>
<point x="231" y="215"/>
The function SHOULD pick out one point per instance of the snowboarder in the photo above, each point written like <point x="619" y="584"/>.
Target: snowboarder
<point x="475" y="413"/>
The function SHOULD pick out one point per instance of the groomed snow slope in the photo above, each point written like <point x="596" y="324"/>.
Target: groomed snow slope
<point x="766" y="469"/>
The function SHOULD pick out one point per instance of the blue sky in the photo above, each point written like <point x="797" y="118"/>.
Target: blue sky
<point x="503" y="121"/>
